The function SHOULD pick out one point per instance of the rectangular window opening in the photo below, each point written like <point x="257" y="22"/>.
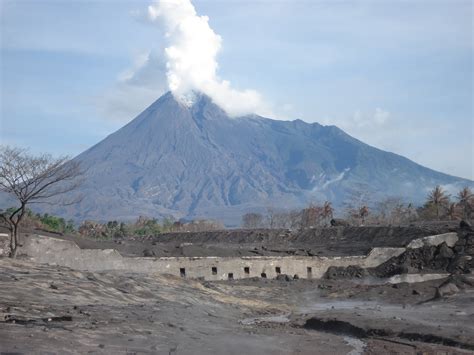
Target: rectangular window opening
<point x="246" y="270"/>
<point x="231" y="276"/>
<point x="214" y="270"/>
<point x="278" y="270"/>
<point x="182" y="272"/>
<point x="309" y="270"/>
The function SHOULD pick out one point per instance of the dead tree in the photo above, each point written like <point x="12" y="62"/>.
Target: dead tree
<point x="271" y="217"/>
<point x="311" y="216"/>
<point x="252" y="220"/>
<point x="33" y="179"/>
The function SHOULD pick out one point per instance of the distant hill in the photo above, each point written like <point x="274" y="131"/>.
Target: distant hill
<point x="195" y="161"/>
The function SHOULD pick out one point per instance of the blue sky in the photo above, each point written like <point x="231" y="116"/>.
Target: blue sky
<point x="395" y="74"/>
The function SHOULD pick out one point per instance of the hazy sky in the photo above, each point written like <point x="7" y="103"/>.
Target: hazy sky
<point x="395" y="74"/>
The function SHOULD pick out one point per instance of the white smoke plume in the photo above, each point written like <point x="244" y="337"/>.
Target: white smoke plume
<point x="192" y="48"/>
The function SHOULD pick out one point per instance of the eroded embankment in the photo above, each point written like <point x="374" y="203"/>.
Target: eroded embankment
<point x="351" y="328"/>
<point x="332" y="241"/>
<point x="447" y="253"/>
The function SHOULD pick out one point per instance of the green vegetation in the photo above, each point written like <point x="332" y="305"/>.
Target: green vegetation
<point x="56" y="224"/>
<point x="44" y="221"/>
<point x="143" y="227"/>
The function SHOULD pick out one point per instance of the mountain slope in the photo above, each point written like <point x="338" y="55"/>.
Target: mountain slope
<point x="197" y="162"/>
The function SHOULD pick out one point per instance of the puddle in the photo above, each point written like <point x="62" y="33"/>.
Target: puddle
<point x="413" y="278"/>
<point x="282" y="318"/>
<point x="357" y="344"/>
<point x="408" y="278"/>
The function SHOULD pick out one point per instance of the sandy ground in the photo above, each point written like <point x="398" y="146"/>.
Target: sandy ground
<point x="47" y="309"/>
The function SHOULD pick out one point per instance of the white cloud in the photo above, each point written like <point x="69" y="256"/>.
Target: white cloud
<point x="381" y="116"/>
<point x="191" y="58"/>
<point x="360" y="121"/>
<point x="136" y="88"/>
<point x="376" y="128"/>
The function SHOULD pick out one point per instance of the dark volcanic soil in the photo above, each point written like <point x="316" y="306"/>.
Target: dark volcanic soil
<point x="58" y="310"/>
<point x="311" y="242"/>
<point x="51" y="309"/>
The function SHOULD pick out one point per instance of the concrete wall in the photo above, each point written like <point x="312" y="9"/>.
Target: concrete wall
<point x="449" y="238"/>
<point x="54" y="251"/>
<point x="66" y="253"/>
<point x="4" y="244"/>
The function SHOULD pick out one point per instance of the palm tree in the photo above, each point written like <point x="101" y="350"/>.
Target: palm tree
<point x="439" y="199"/>
<point x="466" y="201"/>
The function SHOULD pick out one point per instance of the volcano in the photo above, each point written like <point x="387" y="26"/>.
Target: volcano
<point x="194" y="161"/>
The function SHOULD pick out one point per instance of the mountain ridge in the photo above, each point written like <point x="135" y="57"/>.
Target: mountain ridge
<point x="197" y="162"/>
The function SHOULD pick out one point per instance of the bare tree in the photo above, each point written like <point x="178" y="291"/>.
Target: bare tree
<point x="32" y="179"/>
<point x="439" y="199"/>
<point x="311" y="216"/>
<point x="271" y="217"/>
<point x="363" y="213"/>
<point x="357" y="201"/>
<point x="466" y="201"/>
<point x="295" y="219"/>
<point x="327" y="212"/>
<point x="392" y="210"/>
<point x="252" y="220"/>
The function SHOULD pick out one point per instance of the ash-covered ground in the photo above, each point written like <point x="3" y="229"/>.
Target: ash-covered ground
<point x="52" y="309"/>
<point x="332" y="241"/>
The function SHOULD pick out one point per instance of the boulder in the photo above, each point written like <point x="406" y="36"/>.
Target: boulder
<point x="447" y="289"/>
<point x="148" y="253"/>
<point x="465" y="225"/>
<point x="283" y="277"/>
<point x="460" y="264"/>
<point x="444" y="251"/>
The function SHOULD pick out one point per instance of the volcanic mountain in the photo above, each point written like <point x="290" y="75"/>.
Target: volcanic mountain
<point x="194" y="161"/>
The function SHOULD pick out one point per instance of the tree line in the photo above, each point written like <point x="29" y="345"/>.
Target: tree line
<point x="439" y="205"/>
<point x="144" y="227"/>
<point x="32" y="179"/>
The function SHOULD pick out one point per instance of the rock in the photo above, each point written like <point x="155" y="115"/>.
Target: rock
<point x="470" y="239"/>
<point x="283" y="277"/>
<point x="465" y="225"/>
<point x="447" y="289"/>
<point x="444" y="251"/>
<point x="462" y="282"/>
<point x="148" y="253"/>
<point x="339" y="272"/>
<point x="460" y="264"/>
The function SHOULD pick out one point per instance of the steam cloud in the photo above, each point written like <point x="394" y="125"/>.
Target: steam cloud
<point x="192" y="48"/>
